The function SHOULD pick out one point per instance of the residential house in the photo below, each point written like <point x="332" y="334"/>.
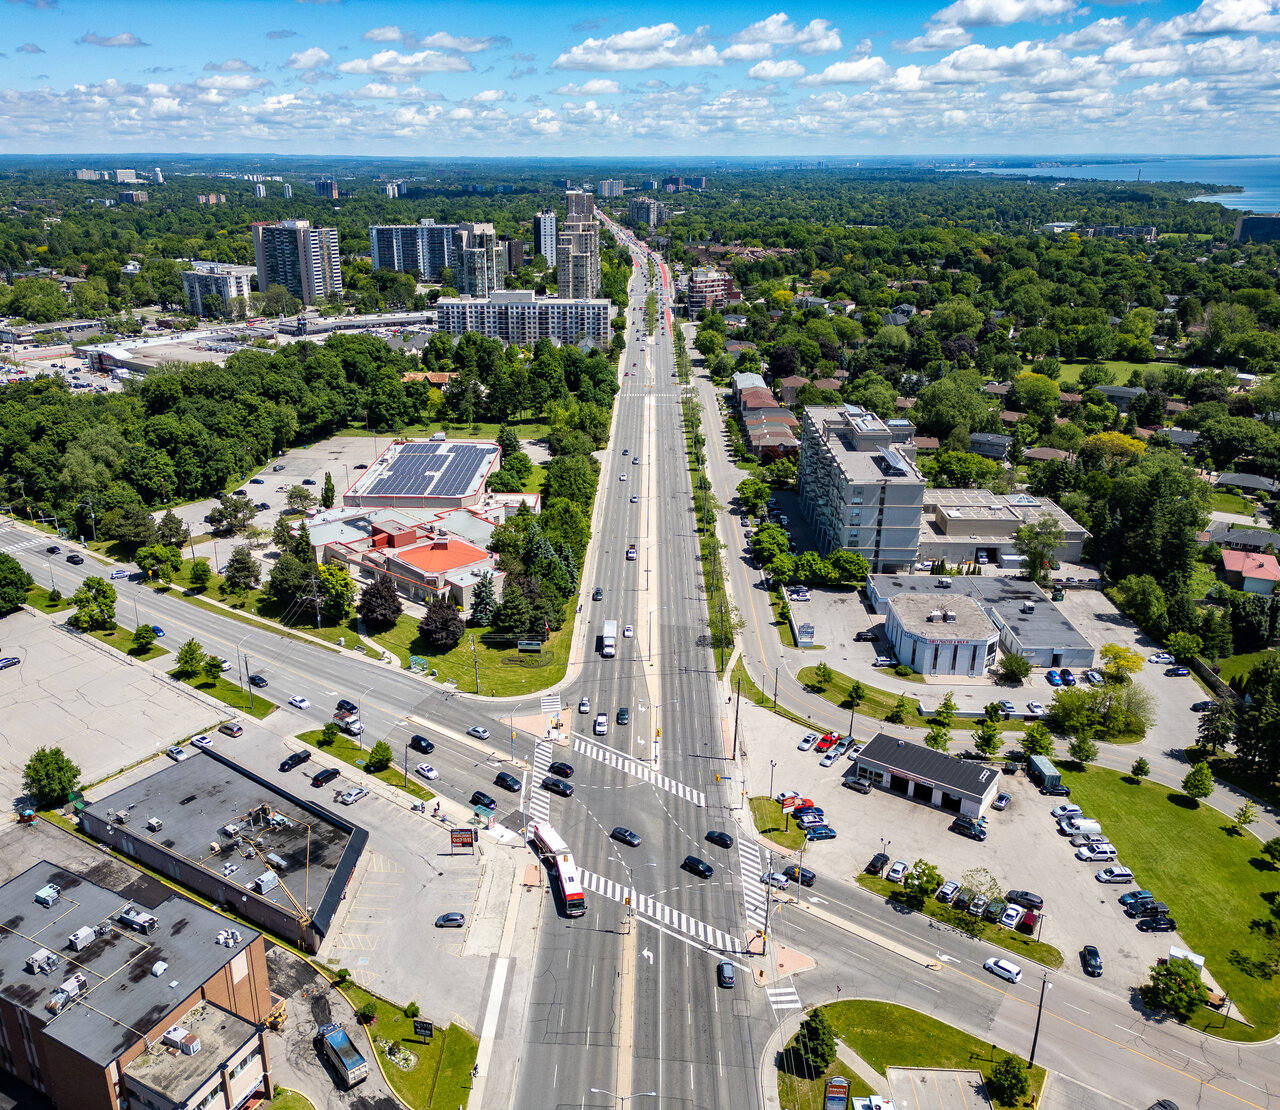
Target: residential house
<point x="790" y="386"/>
<point x="1253" y="573"/>
<point x="1247" y="481"/>
<point x="990" y="445"/>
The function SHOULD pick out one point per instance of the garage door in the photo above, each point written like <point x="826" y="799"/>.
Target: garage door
<point x="951" y="802"/>
<point x="922" y="793"/>
<point x="898" y="784"/>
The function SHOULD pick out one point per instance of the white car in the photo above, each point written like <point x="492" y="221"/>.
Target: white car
<point x="897" y="871"/>
<point x="831" y="756"/>
<point x="177" y="754"/>
<point x="204" y="740"/>
<point x="785" y="795"/>
<point x="1160" y="657"/>
<point x="622" y="477"/>
<point x="776" y="880"/>
<point x="601" y="725"/>
<point x="855" y="751"/>
<point x="427" y="771"/>
<point x="1035" y="707"/>
<point x="226" y="664"/>
<point x="1096" y="853"/>
<point x="628" y="632"/>
<point x="584" y="706"/>
<point x="1004" y="969"/>
<point x="808" y="742"/>
<point x="479" y="732"/>
<point x="299" y="702"/>
<point x="1114" y="875"/>
<point x="885" y="661"/>
<point x="1011" y="916"/>
<point x="1067" y="809"/>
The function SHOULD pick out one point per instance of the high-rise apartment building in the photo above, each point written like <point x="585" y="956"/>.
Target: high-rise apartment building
<point x="578" y="248"/>
<point x="208" y="278"/>
<point x="579" y="206"/>
<point x="481" y="265"/>
<point x="517" y="316"/>
<point x="515" y="254"/>
<point x="859" y="485"/>
<point x="327" y="188"/>
<point x="610" y="187"/>
<point x="544" y="236"/>
<point x="259" y="191"/>
<point x="647" y="211"/>
<point x="211" y="198"/>
<point x="302" y="258"/>
<point x="132" y="196"/>
<point x="426" y="246"/>
<point x="288" y="192"/>
<point x="709" y="288"/>
<point x="157" y="176"/>
<point x="125" y="176"/>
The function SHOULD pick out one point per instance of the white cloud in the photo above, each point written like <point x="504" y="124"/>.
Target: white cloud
<point x="947" y="37"/>
<point x="1226" y="17"/>
<point x="308" y="59"/>
<point x="1001" y="13"/>
<point x="489" y="96"/>
<point x="124" y="38"/>
<point x="747" y="51"/>
<point x="377" y="90"/>
<point x="231" y="65"/>
<point x="855" y="71"/>
<point x="815" y="37"/>
<point x="391" y="63"/>
<point x="233" y="83"/>
<point x="597" y="86"/>
<point x="775" y="70"/>
<point x="1102" y="32"/>
<point x="658" y="47"/>
<point x="442" y="40"/>
<point x="390" y="33"/>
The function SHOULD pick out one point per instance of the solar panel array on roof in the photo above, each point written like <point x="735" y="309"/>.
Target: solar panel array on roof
<point x="429" y="470"/>
<point x="893" y="461"/>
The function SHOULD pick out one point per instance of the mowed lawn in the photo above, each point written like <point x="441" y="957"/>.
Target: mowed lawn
<point x="1215" y="883"/>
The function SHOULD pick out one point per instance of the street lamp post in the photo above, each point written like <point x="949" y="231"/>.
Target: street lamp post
<point x="624" y="1099"/>
<point x="772" y="764"/>
<point x="1045" y="985"/>
<point x="775" y="688"/>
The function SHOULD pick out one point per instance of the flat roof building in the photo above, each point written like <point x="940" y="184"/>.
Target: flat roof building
<point x="425" y="474"/>
<point x="948" y="636"/>
<point x="426" y="246"/>
<point x="137" y="995"/>
<point x="302" y="258"/>
<point x="925" y="775"/>
<point x="959" y="525"/>
<point x="206" y="279"/>
<point x="518" y="316"/>
<point x="237" y="840"/>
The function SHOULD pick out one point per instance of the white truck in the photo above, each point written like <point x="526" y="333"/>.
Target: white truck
<point x="609" y="639"/>
<point x="351" y="1066"/>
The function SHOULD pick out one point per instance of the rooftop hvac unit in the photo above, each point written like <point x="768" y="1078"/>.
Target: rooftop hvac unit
<point x="265" y="882"/>
<point x="48" y="895"/>
<point x="155" y="824"/>
<point x="230" y="830"/>
<point x="276" y="861"/>
<point x="68" y="991"/>
<point x="159" y="968"/>
<point x="935" y="615"/>
<point x="182" y="1039"/>
<point x="950" y="617"/>
<point x="121" y="816"/>
<point x="1028" y="606"/>
<point x="138" y="920"/>
<point x="81" y="938"/>
<point x="228" y="938"/>
<point x="42" y="962"/>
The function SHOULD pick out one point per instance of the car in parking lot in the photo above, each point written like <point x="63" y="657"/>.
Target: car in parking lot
<point x="1008" y="706"/>
<point x="971" y="829"/>
<point x="601" y="725"/>
<point x="230" y="728"/>
<point x="801" y="875"/>
<point x="1132" y="896"/>
<point x="299" y="702"/>
<point x="962" y="899"/>
<point x="856" y="750"/>
<point x="204" y="740"/>
<point x="1088" y="838"/>
<point x="978" y="905"/>
<point x="1002" y="801"/>
<point x="1095" y="678"/>
<point x="866" y="636"/>
<point x="820" y="832"/>
<point x="828" y="741"/>
<point x="1146" y="907"/>
<point x="1035" y="707"/>
<point x="295" y="759"/>
<point x="877" y="865"/>
<point x="1010" y="916"/>
<point x="808" y="742"/>
<point x="1114" y="875"/>
<point x="897" y="871"/>
<point x="508" y="781"/>
<point x="1157" y="925"/>
<point x="361" y="466"/>
<point x="1053" y="678"/>
<point x="884" y="661"/>
<point x="720" y="838"/>
<point x="558" y="786"/>
<point x="1025" y="899"/>
<point x="324" y="777"/>
<point x="1202" y="706"/>
<point x="1056" y="791"/>
<point x="176" y="753"/>
<point x="308" y="481"/>
<point x="699" y="867"/>
<point x="1160" y="657"/>
<point x="947" y="890"/>
<point x="626" y="836"/>
<point x="1096" y="853"/>
<point x="1091" y="960"/>
<point x="478" y="732"/>
<point x="862" y="786"/>
<point x="451" y="921"/>
<point x="831" y="756"/>
<point x="1004" y="969"/>
<point x="1067" y="809"/>
<point x="811" y="820"/>
<point x="354" y="795"/>
<point x="257" y="481"/>
<point x="1177" y="672"/>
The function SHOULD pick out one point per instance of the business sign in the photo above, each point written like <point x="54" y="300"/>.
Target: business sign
<point x="462" y="838"/>
<point x="423" y="1028"/>
<point x="836" y="1096"/>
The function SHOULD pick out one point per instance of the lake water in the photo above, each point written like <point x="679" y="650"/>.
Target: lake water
<point x="1259" y="177"/>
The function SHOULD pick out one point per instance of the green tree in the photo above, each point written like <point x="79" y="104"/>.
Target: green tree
<point x="1120" y="662"/>
<point x="815" y="1043"/>
<point x="442" y="625"/>
<point x="1246" y="815"/>
<point x="1007" y="1081"/>
<point x="211" y="668"/>
<point x="1038" y="740"/>
<point x="159" y="561"/>
<point x="753" y="495"/>
<point x="1036" y="543"/>
<point x="380" y="757"/>
<point x="49" y="777"/>
<point x="484" y="600"/>
<point x="919" y="883"/>
<point x="945" y="714"/>
<point x="232" y="516"/>
<point x="898" y="713"/>
<point x="1140" y="769"/>
<point x="856" y="693"/>
<point x="143" y="637"/>
<point x="1183" y="646"/>
<point x="329" y="494"/>
<point x="1083" y="750"/>
<point x="1175" y="987"/>
<point x="14" y="584"/>
<point x="299" y="499"/>
<point x="848" y="566"/>
<point x="171" y="531"/>
<point x="95" y="603"/>
<point x="337" y="591"/>
<point x="987" y="739"/>
<point x="1198" y="782"/>
<point x="823" y="676"/>
<point x="329" y="734"/>
<point x="201" y="574"/>
<point x="190" y="662"/>
<point x="282" y="533"/>
<point x="379" y="605"/>
<point x="1271" y="849"/>
<point x="242" y="572"/>
<point x="1217" y="725"/>
<point x="937" y="738"/>
<point x="1014" y="669"/>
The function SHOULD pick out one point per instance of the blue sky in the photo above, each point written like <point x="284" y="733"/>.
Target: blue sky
<point x="498" y="78"/>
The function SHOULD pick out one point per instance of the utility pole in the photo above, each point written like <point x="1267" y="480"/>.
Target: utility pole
<point x="246" y="671"/>
<point x="775" y="688"/>
<point x="1035" y="1037"/>
<point x="737" y="708"/>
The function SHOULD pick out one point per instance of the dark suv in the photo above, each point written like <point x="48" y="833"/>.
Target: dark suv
<point x="323" y="778"/>
<point x="297" y="759"/>
<point x="801" y="875"/>
<point x="878" y="863"/>
<point x="508" y="781"/>
<point x="480" y="798"/>
<point x="422" y="744"/>
<point x="971" y="829"/>
<point x="699" y="867"/>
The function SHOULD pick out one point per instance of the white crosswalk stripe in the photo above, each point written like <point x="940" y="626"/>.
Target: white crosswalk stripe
<point x="14" y="545"/>
<point x="754" y="893"/>
<point x="644" y="906"/>
<point x="783" y="998"/>
<point x="539" y="801"/>
<point x="629" y="766"/>
<point x="551" y="703"/>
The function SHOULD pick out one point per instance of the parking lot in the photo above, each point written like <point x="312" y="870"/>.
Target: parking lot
<point x="1023" y="849"/>
<point x="74" y="693"/>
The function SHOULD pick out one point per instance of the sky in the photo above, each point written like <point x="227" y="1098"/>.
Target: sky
<point x="529" y="78"/>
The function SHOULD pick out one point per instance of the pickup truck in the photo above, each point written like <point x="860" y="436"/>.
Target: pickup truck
<point x="352" y="1068"/>
<point x="349" y="721"/>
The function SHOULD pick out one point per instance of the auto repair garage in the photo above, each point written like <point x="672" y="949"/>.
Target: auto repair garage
<point x="928" y="776"/>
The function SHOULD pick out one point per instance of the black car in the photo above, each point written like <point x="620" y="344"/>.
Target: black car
<point x="624" y="715"/>
<point x="361" y="466"/>
<point x="558" y="786"/>
<point x="480" y="798"/>
<point x="308" y="481"/>
<point x="75" y="559"/>
<point x="866" y="637"/>
<point x="322" y="778"/>
<point x="626" y="836"/>
<point x="507" y="781"/>
<point x="1056" y="791"/>
<point x="257" y="680"/>
<point x="597" y="594"/>
<point x="969" y="829"/>
<point x="1202" y="706"/>
<point x="345" y="706"/>
<point x="723" y="839"/>
<point x="297" y="759"/>
<point x="801" y="875"/>
<point x="724" y="974"/>
<point x="421" y="744"/>
<point x="562" y="770"/>
<point x="878" y="863"/>
<point x="1091" y="960"/>
<point x="1025" y="899"/>
<point x="1177" y="672"/>
<point x="262" y="506"/>
<point x="1157" y="925"/>
<point x="53" y="549"/>
<point x="699" y="867"/>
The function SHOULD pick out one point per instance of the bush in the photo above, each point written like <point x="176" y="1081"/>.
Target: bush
<point x="903" y="671"/>
<point x="55" y="596"/>
<point x="412" y="1010"/>
<point x="367" y="1013"/>
<point x="1007" y="1082"/>
<point x="380" y="757"/>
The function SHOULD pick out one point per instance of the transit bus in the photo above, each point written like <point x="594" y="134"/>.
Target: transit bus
<point x="551" y="847"/>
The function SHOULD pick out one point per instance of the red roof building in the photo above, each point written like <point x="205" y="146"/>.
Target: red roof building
<point x="1252" y="572"/>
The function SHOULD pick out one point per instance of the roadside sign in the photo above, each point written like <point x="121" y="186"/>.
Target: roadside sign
<point x="423" y="1028"/>
<point x="461" y="838"/>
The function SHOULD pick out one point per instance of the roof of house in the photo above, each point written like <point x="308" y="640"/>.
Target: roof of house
<point x="1247" y="481"/>
<point x="998" y="388"/>
<point x="1070" y="398"/>
<point x="927" y="443"/>
<point x="757" y="397"/>
<point x="1250" y="564"/>
<point x="1129" y="391"/>
<point x="826" y="383"/>
<point x="1045" y="454"/>
<point x="917" y="761"/>
<point x="904" y="403"/>
<point x="793" y="380"/>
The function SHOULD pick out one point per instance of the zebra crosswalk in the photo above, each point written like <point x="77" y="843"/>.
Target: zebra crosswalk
<point x="20" y="541"/>
<point x="661" y="913"/>
<point x="754" y="893"/>
<point x="551" y="703"/>
<point x="783" y="998"/>
<point x="627" y="765"/>
<point x="538" y="801"/>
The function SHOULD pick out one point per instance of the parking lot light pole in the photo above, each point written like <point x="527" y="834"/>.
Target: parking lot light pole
<point x="772" y="764"/>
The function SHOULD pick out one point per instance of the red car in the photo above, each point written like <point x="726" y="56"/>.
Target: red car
<point x="827" y="742"/>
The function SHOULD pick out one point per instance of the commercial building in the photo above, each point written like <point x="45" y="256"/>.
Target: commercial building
<point x="136" y="997"/>
<point x="948" y="636"/>
<point x="425" y="474"/>
<point x="610" y="187"/>
<point x="132" y="196"/>
<point x="219" y="279"/>
<point x="925" y="775"/>
<point x="1257" y="229"/>
<point x="859" y="485"/>
<point x="237" y="840"/>
<point x="1026" y="621"/>
<point x="965" y="525"/>
<point x="710" y="288"/>
<point x="518" y="316"/>
<point x="25" y="333"/>
<point x="480" y="268"/>
<point x="426" y="246"/>
<point x="302" y="258"/>
<point x="544" y="236"/>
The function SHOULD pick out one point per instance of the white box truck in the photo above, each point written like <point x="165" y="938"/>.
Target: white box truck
<point x="609" y="639"/>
